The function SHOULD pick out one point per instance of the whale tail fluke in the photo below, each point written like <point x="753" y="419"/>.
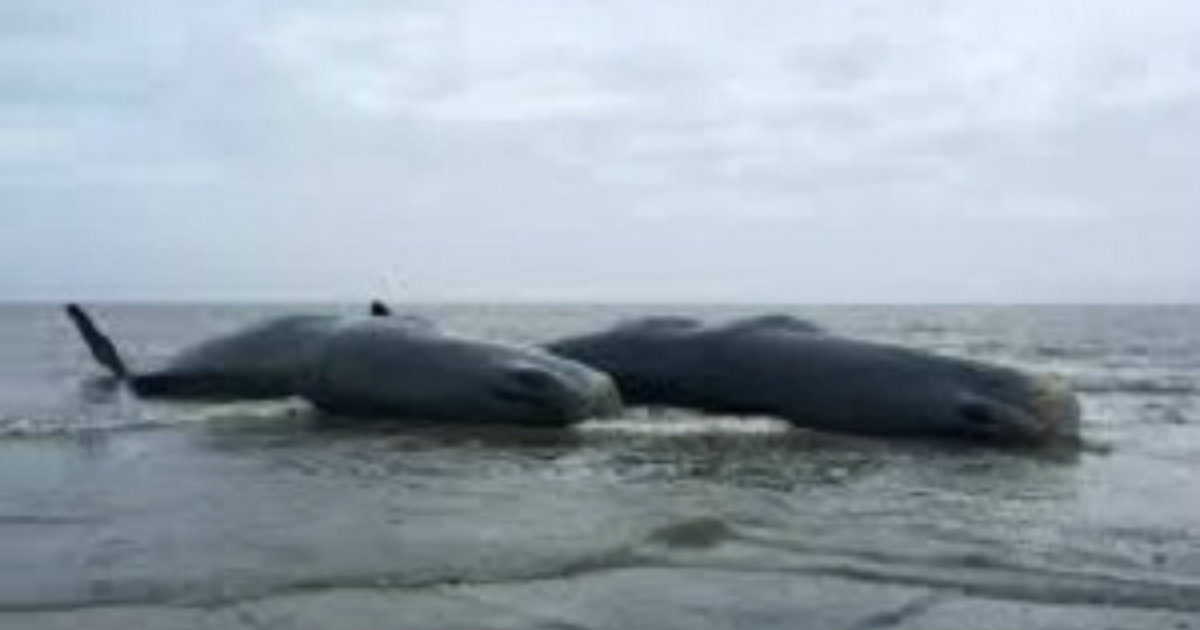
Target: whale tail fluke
<point x="379" y="309"/>
<point x="98" y="343"/>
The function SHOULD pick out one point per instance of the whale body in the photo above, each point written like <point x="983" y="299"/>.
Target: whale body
<point x="399" y="367"/>
<point x="788" y="368"/>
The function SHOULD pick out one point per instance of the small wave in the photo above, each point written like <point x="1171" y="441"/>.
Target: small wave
<point x="29" y="428"/>
<point x="43" y="520"/>
<point x="1134" y="385"/>
<point x="143" y="419"/>
<point x="239" y="587"/>
<point x="697" y="533"/>
<point x="925" y="327"/>
<point x="1068" y="352"/>
<point x="978" y="573"/>
<point x="671" y="423"/>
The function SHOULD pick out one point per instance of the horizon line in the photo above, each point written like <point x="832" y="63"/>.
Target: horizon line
<point x="561" y="301"/>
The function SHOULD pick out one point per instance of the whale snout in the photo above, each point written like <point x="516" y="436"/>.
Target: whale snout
<point x="544" y="395"/>
<point x="1043" y="410"/>
<point x="605" y="399"/>
<point x="1056" y="409"/>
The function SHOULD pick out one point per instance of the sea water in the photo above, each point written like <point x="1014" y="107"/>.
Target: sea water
<point x="109" y="501"/>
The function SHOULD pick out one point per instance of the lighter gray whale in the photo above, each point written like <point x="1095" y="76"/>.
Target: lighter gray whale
<point x="399" y="367"/>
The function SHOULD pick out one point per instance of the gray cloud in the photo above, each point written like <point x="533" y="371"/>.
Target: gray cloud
<point x="840" y="151"/>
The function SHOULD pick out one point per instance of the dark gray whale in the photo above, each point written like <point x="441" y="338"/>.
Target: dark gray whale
<point x="377" y="366"/>
<point x="785" y="367"/>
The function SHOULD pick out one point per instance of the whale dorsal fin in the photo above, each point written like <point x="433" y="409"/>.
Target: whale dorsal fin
<point x="379" y="309"/>
<point x="660" y="323"/>
<point x="774" y="321"/>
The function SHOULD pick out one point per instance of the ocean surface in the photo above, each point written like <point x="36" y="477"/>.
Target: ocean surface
<point x="665" y="519"/>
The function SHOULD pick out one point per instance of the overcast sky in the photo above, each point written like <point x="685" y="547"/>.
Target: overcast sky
<point x="818" y="151"/>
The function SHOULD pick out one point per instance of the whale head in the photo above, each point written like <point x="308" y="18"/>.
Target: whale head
<point x="1001" y="405"/>
<point x="388" y="368"/>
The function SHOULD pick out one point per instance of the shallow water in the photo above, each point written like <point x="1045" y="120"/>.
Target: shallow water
<point x="107" y="500"/>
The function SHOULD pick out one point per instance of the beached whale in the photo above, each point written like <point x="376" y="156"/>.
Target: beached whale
<point x="373" y="366"/>
<point x="785" y="367"/>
